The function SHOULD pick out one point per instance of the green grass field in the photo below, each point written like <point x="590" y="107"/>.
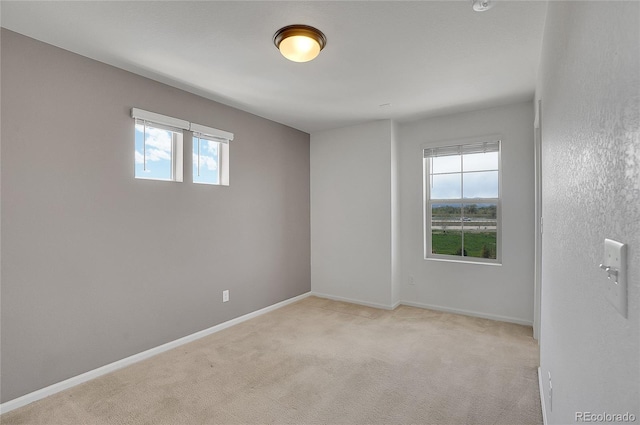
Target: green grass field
<point x="450" y="242"/>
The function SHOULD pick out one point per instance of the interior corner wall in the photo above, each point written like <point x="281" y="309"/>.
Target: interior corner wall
<point x="589" y="84"/>
<point x="396" y="259"/>
<point x="500" y="292"/>
<point x="351" y="241"/>
<point x="97" y="265"/>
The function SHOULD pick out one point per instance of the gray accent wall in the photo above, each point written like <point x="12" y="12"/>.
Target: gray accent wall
<point x="96" y="265"/>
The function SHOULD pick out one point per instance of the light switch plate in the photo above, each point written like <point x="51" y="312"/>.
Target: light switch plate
<point x="615" y="257"/>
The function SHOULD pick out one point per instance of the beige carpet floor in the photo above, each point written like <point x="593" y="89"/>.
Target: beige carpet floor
<point x="320" y="362"/>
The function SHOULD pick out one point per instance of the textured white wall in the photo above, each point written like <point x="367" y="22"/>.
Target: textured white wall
<point x="351" y="213"/>
<point x="501" y="292"/>
<point x="590" y="91"/>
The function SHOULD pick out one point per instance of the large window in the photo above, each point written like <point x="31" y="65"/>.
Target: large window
<point x="462" y="202"/>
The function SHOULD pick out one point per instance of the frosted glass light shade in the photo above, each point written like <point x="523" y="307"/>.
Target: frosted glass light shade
<point x="299" y="48"/>
<point x="299" y="43"/>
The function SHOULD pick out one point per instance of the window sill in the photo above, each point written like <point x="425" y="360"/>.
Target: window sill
<point x="160" y="180"/>
<point x="448" y="260"/>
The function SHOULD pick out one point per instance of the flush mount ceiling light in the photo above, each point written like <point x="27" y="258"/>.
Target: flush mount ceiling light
<point x="481" y="5"/>
<point x="299" y="43"/>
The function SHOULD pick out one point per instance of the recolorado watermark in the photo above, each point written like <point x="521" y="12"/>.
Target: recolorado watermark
<point x="605" y="417"/>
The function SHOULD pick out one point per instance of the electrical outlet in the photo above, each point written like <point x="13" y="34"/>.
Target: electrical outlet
<point x="411" y="280"/>
<point x="225" y="295"/>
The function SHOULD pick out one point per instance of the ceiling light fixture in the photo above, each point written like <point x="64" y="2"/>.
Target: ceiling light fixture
<point x="299" y="43"/>
<point x="482" y="5"/>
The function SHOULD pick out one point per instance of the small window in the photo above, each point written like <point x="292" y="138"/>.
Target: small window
<point x="158" y="146"/>
<point x="157" y="152"/>
<point x="462" y="202"/>
<point x="205" y="160"/>
<point x="210" y="155"/>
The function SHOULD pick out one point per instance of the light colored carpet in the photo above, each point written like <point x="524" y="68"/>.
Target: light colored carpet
<point x="320" y="362"/>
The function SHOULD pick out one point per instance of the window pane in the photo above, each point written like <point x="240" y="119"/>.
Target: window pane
<point x="445" y="186"/>
<point x="480" y="234"/>
<point x="483" y="184"/>
<point x="446" y="234"/>
<point x="446" y="164"/>
<point x="153" y="156"/>
<point x="462" y="214"/>
<point x="480" y="161"/>
<point x="205" y="161"/>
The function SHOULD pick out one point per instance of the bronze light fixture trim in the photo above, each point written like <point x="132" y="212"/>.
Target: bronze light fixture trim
<point x="299" y="43"/>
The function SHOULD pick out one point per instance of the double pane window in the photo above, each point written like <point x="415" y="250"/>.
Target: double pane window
<point x="159" y="149"/>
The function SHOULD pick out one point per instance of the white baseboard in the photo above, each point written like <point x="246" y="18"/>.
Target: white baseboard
<point x="542" y="404"/>
<point x="353" y="301"/>
<point x="469" y="313"/>
<point x="427" y="306"/>
<point x="92" y="374"/>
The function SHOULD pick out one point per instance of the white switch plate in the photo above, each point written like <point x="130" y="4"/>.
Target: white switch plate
<point x="615" y="257"/>
<point x="225" y="295"/>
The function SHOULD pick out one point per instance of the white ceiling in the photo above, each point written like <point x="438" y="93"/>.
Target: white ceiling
<point x="425" y="58"/>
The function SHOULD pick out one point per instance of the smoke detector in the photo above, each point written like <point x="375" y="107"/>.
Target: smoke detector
<point x="481" y="5"/>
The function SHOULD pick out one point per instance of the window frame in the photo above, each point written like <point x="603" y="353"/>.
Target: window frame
<point x="427" y="203"/>
<point x="200" y="137"/>
<point x="176" y="126"/>
<point x="224" y="139"/>
<point x="177" y="140"/>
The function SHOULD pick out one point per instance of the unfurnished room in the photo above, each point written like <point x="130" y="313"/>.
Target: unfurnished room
<point x="320" y="212"/>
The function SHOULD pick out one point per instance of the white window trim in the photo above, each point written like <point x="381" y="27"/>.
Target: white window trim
<point x="219" y="135"/>
<point x="152" y="117"/>
<point x="426" y="204"/>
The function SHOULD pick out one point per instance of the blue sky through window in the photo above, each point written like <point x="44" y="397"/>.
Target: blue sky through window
<point x="205" y="161"/>
<point x="153" y="155"/>
<point x="464" y="176"/>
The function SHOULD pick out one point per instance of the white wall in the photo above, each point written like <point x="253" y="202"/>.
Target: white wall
<point x="351" y="224"/>
<point x="590" y="90"/>
<point x="501" y="292"/>
<point x="396" y="264"/>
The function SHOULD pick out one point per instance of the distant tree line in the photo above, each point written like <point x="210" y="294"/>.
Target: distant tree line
<point x="470" y="210"/>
